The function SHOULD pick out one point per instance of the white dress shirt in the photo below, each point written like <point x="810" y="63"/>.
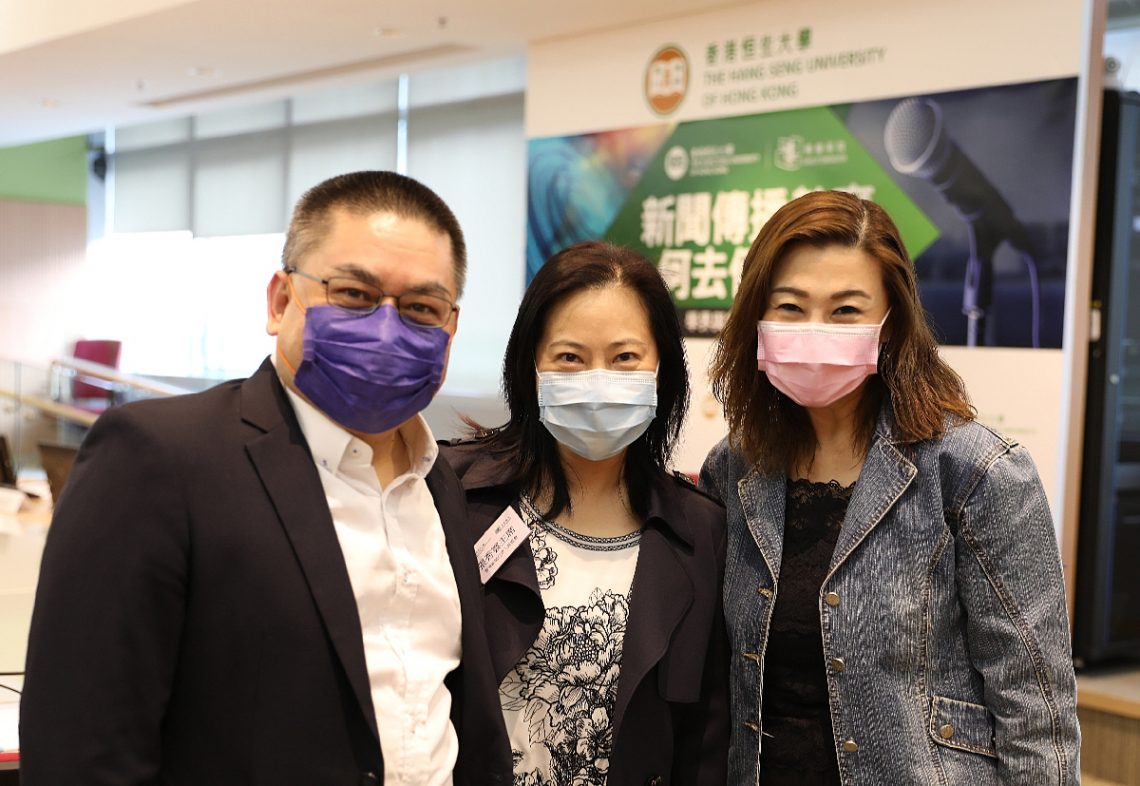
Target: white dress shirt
<point x="394" y="548"/>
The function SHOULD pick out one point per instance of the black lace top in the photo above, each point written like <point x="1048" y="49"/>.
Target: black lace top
<point x="797" y="747"/>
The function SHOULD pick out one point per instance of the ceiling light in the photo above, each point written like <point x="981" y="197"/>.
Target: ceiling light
<point x="387" y="32"/>
<point x="201" y="71"/>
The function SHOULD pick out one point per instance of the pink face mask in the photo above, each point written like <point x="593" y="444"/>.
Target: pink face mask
<point x="815" y="364"/>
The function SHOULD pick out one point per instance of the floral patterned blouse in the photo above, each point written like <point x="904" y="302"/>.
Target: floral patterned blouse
<point x="559" y="700"/>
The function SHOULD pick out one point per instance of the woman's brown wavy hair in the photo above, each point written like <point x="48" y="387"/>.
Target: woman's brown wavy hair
<point x="770" y="430"/>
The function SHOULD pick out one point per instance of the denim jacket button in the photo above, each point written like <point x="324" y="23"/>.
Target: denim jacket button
<point x="946" y="731"/>
<point x="832" y="598"/>
<point x="765" y="591"/>
<point x="752" y="656"/>
<point x="837" y="665"/>
<point x="850" y="746"/>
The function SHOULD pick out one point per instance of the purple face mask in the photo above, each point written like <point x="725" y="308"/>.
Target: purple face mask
<point x="369" y="373"/>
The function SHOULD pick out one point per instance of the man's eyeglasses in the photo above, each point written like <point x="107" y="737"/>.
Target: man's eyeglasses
<point x="417" y="309"/>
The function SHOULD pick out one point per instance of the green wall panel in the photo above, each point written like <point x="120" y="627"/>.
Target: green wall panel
<point x="54" y="171"/>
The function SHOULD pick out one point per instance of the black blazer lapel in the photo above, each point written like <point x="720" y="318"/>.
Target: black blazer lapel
<point x="448" y="496"/>
<point x="513" y="606"/>
<point x="283" y="462"/>
<point x="452" y="508"/>
<point x="484" y="749"/>
<point x="515" y="611"/>
<point x="661" y="595"/>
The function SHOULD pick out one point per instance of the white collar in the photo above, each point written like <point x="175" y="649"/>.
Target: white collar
<point x="332" y="445"/>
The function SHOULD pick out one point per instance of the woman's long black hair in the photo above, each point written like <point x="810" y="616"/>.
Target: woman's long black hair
<point x="535" y="468"/>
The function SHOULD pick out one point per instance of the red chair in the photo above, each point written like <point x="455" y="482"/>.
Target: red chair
<point x="102" y="351"/>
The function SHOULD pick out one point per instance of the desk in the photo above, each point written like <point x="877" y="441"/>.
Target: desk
<point x="1116" y="691"/>
<point x="1108" y="704"/>
<point x="21" y="546"/>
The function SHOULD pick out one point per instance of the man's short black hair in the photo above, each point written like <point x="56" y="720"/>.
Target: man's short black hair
<point x="369" y="192"/>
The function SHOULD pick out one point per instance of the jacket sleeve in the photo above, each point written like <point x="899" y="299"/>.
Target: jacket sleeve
<point x="701" y="751"/>
<point x="108" y="614"/>
<point x="713" y="470"/>
<point x="1010" y="584"/>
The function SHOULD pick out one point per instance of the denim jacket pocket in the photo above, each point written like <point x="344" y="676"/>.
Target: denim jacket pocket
<point x="962" y="725"/>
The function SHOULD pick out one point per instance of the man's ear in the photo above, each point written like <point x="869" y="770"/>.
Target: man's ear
<point x="277" y="296"/>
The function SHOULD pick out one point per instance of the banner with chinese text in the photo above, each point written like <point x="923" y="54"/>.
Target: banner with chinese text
<point x="692" y="198"/>
<point x="680" y="137"/>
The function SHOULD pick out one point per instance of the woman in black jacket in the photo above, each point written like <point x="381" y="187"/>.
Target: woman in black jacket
<point x="602" y="569"/>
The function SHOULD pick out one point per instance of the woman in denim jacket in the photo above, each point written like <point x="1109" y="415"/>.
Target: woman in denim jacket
<point x="893" y="591"/>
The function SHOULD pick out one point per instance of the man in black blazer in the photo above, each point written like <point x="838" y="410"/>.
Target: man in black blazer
<point x="272" y="581"/>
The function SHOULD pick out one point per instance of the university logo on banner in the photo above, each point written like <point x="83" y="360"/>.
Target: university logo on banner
<point x="667" y="79"/>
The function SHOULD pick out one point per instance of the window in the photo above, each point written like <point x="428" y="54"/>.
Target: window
<point x="197" y="208"/>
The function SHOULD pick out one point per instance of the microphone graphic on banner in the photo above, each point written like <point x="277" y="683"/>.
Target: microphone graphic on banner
<point x="917" y="144"/>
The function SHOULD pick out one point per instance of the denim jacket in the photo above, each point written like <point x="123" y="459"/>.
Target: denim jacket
<point x="945" y="635"/>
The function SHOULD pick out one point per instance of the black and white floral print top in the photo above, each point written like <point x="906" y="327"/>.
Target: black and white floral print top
<point x="559" y="700"/>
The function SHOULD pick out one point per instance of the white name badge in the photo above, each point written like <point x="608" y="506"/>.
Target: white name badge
<point x="498" y="542"/>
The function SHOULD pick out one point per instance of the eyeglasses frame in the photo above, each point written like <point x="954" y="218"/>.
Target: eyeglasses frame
<point x="453" y="307"/>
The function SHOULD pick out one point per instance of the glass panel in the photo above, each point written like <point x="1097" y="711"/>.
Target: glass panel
<point x="467" y="82"/>
<point x="323" y="150"/>
<point x="186" y="310"/>
<point x="39" y="406"/>
<point x="21" y="424"/>
<point x="241" y="120"/>
<point x="1124" y="595"/>
<point x="239" y="186"/>
<point x="162" y="132"/>
<point x="342" y="102"/>
<point x="152" y="190"/>
<point x="143" y="290"/>
<point x="1130" y="351"/>
<point x="233" y="340"/>
<point x="474" y="155"/>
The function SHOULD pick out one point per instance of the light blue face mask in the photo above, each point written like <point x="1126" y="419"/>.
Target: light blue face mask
<point x="598" y="413"/>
